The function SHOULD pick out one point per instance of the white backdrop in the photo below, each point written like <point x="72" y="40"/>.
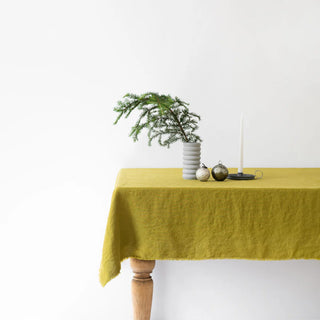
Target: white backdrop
<point x="63" y="66"/>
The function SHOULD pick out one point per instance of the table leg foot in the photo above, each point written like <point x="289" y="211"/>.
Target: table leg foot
<point x="142" y="288"/>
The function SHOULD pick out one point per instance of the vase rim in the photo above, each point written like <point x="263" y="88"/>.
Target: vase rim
<point x="197" y="143"/>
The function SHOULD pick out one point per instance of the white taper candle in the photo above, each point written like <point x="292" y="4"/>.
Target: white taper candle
<point x="240" y="169"/>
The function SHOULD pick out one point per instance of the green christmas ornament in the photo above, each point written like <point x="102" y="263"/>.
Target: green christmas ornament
<point x="220" y="172"/>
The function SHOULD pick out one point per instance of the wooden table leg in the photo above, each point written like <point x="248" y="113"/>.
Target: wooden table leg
<point x="142" y="288"/>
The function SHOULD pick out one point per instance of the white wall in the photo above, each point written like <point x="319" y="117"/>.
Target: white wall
<point x="63" y="66"/>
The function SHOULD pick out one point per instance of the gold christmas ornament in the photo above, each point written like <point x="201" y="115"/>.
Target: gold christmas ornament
<point x="220" y="172"/>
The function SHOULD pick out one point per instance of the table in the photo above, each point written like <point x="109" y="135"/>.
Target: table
<point x="155" y="214"/>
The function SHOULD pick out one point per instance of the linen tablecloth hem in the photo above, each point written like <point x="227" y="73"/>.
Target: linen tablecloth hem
<point x="106" y="277"/>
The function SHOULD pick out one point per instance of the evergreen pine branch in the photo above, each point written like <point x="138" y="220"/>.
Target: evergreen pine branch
<point x="165" y="118"/>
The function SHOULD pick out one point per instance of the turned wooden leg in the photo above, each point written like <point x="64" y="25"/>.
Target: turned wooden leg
<point x="142" y="288"/>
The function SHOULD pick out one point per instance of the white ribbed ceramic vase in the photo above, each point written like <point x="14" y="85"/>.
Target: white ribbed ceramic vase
<point x="191" y="159"/>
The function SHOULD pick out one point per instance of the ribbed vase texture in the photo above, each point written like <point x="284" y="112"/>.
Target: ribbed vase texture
<point x="191" y="160"/>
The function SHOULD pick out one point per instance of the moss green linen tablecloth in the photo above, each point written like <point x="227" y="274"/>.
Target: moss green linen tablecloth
<point x="156" y="215"/>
